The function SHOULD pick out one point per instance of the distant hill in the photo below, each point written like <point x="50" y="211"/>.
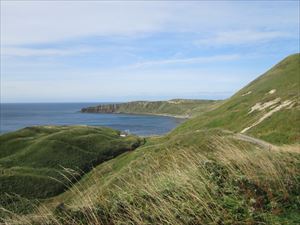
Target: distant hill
<point x="176" y="107"/>
<point x="267" y="108"/>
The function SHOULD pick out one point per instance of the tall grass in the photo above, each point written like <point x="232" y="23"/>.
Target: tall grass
<point x="230" y="183"/>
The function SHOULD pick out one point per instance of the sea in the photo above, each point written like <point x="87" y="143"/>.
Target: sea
<point x="15" y="116"/>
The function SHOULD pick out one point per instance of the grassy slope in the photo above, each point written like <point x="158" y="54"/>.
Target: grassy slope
<point x="204" y="177"/>
<point x="30" y="158"/>
<point x="175" y="107"/>
<point x="198" y="174"/>
<point x="282" y="127"/>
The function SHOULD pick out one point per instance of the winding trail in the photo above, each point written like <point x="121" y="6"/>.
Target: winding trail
<point x="253" y="140"/>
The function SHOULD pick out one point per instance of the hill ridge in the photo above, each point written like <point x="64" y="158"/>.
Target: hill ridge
<point x="260" y="108"/>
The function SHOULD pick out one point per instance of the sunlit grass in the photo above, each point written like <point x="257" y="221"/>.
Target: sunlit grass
<point x="230" y="184"/>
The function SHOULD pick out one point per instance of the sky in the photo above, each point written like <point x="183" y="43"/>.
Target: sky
<point x="114" y="51"/>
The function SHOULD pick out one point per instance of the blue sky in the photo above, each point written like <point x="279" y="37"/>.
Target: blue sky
<point x="87" y="51"/>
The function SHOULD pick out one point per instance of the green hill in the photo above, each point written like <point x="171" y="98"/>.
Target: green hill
<point x="207" y="177"/>
<point x="32" y="160"/>
<point x="175" y="107"/>
<point x="267" y="108"/>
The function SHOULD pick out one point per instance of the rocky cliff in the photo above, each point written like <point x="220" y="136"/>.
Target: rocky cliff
<point x="174" y="107"/>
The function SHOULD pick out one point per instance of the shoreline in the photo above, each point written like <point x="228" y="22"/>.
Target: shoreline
<point x="145" y="114"/>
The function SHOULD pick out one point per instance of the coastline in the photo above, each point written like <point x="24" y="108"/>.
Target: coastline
<point x="183" y="117"/>
<point x="43" y="114"/>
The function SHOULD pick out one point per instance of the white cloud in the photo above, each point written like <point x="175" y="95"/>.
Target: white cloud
<point x="242" y="37"/>
<point x="180" y="61"/>
<point x="42" y="22"/>
<point x="26" y="22"/>
<point x="25" y="52"/>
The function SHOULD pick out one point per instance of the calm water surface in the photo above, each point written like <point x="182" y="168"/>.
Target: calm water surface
<point x="16" y="115"/>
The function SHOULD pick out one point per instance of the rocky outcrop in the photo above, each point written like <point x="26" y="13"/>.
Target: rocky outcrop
<point x="110" y="108"/>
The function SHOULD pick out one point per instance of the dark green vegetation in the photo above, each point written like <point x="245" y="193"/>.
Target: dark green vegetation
<point x="202" y="172"/>
<point x="32" y="160"/>
<point x="175" y="107"/>
<point x="275" y="96"/>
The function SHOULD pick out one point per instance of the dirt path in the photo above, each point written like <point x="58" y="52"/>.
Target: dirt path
<point x="253" y="140"/>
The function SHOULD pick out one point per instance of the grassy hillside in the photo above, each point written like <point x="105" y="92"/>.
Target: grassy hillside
<point x="32" y="160"/>
<point x="175" y="107"/>
<point x="267" y="108"/>
<point x="207" y="177"/>
<point x="202" y="172"/>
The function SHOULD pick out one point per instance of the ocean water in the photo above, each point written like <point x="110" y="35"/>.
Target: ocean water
<point x="15" y="116"/>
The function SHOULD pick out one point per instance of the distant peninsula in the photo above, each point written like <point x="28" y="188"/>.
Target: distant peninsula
<point x="181" y="108"/>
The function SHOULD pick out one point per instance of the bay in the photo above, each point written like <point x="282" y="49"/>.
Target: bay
<point x="15" y="116"/>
